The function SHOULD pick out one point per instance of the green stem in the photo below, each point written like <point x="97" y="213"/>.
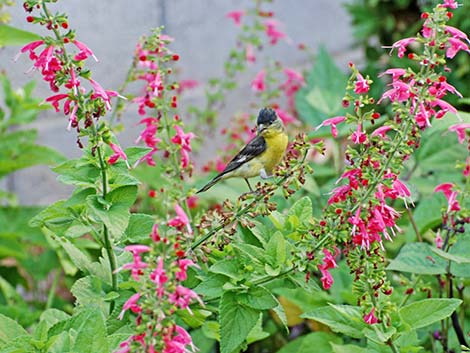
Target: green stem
<point x="51" y="295"/>
<point x="107" y="239"/>
<point x="415" y="226"/>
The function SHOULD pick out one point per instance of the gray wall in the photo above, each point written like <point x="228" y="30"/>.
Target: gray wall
<point x="203" y="37"/>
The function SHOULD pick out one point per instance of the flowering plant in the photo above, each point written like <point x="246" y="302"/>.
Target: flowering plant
<point x="156" y="269"/>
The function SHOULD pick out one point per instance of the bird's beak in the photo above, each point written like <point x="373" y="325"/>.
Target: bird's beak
<point x="260" y="128"/>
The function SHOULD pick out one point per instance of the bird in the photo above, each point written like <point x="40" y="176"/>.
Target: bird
<point x="261" y="155"/>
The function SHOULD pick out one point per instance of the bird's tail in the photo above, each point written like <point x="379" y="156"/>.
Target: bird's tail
<point x="210" y="184"/>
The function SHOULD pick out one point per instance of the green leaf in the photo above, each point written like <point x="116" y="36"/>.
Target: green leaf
<point x="344" y="319"/>
<point x="86" y="331"/>
<point x="277" y="249"/>
<point x="88" y="291"/>
<point x="418" y="258"/>
<point x="236" y="322"/>
<point x="428" y="311"/>
<point x="211" y="286"/>
<point x="257" y="333"/>
<point x="322" y="97"/>
<point x="347" y="348"/>
<point x="314" y="342"/>
<point x="13" y="36"/>
<point x="258" y="298"/>
<point x="461" y="249"/>
<point x="78" y="172"/>
<point x="451" y="257"/>
<point x="27" y="155"/>
<point x="114" y="211"/>
<point x="9" y="330"/>
<point x="139" y="227"/>
<point x="229" y="268"/>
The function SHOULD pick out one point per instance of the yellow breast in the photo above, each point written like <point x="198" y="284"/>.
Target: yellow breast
<point x="276" y="142"/>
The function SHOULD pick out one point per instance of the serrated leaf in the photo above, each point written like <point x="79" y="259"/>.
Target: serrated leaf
<point x="139" y="227"/>
<point x="344" y="319"/>
<point x="229" y="268"/>
<point x="258" y="298"/>
<point x="211" y="286"/>
<point x="9" y="330"/>
<point x="428" y="311"/>
<point x="418" y="258"/>
<point x="115" y="213"/>
<point x="236" y="322"/>
<point x="88" y="291"/>
<point x="277" y="249"/>
<point x="451" y="257"/>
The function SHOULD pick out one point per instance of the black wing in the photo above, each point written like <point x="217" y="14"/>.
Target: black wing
<point x="254" y="148"/>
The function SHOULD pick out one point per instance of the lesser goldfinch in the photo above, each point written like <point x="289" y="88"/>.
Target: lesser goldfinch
<point x="261" y="155"/>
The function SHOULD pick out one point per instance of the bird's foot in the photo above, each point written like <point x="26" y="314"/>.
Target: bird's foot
<point x="264" y="175"/>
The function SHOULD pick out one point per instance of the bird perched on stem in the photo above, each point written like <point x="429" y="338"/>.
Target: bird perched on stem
<point x="261" y="155"/>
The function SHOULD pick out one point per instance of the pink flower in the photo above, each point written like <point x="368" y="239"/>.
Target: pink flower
<point x="30" y="47"/>
<point x="137" y="249"/>
<point x="455" y="46"/>
<point x="333" y="122"/>
<point x="371" y="318"/>
<point x="236" y="16"/>
<point x="118" y="153"/>
<point x="396" y="73"/>
<point x="184" y="140"/>
<point x="294" y="76"/>
<point x="271" y="28"/>
<point x="250" y="54"/>
<point x="185" y="85"/>
<point x="399" y="93"/>
<point x="159" y="277"/>
<point x="438" y="240"/>
<point x="401" y="45"/>
<point x="182" y="297"/>
<point x="358" y="136"/>
<point x="457" y="33"/>
<point x="258" y="84"/>
<point x="451" y="196"/>
<point x="445" y="107"/>
<point x="54" y="100"/>
<point x="401" y="189"/>
<point x="361" y="85"/>
<point x="100" y="92"/>
<point x="329" y="259"/>
<point x="178" y="343"/>
<point x="285" y="116"/>
<point x="183" y="265"/>
<point x="131" y="304"/>
<point x="451" y="4"/>
<point x="84" y="52"/>
<point x="460" y="130"/>
<point x="466" y="171"/>
<point x="339" y="194"/>
<point x="154" y="235"/>
<point x="381" y="131"/>
<point x="326" y="279"/>
<point x="180" y="220"/>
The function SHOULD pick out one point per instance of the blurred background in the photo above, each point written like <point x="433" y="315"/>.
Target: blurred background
<point x="352" y="30"/>
<point x="203" y="38"/>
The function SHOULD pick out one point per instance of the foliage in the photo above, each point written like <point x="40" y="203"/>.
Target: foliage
<point x="303" y="263"/>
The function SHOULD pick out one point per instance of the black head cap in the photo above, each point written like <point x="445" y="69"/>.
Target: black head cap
<point x="266" y="116"/>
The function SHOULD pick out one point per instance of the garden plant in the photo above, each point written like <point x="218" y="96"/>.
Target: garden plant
<point x="359" y="242"/>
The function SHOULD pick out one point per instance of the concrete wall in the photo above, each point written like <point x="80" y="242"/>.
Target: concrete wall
<point x="203" y="38"/>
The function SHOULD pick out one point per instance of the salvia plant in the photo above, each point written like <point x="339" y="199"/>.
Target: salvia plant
<point x="368" y="255"/>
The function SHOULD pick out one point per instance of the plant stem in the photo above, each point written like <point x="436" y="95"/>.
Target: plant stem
<point x="50" y="297"/>
<point x="107" y="239"/>
<point x="413" y="223"/>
